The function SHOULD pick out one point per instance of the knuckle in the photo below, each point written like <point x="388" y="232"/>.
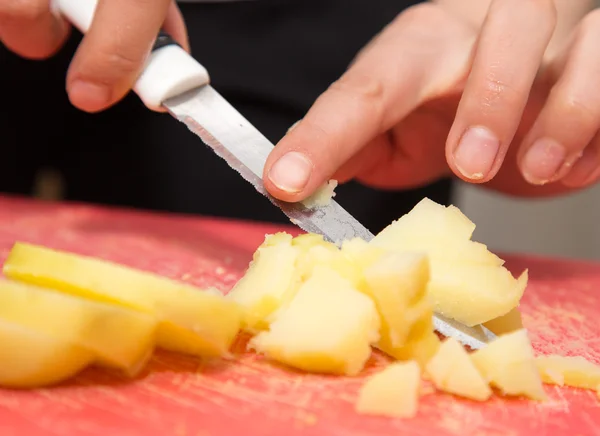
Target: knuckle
<point x="497" y="93"/>
<point x="422" y="14"/>
<point x="365" y="89"/>
<point x="23" y="10"/>
<point x="109" y="65"/>
<point x="579" y="108"/>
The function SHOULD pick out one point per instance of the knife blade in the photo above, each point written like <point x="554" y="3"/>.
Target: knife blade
<point x="174" y="81"/>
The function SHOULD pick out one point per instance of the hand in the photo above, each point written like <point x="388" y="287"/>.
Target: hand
<point x="112" y="53"/>
<point x="433" y="96"/>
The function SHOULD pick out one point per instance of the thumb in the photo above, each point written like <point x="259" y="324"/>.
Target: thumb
<point x="394" y="74"/>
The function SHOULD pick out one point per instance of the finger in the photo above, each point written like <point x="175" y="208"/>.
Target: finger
<point x="388" y="80"/>
<point x="174" y="25"/>
<point x="586" y="170"/>
<point x="30" y="29"/>
<point x="571" y="115"/>
<point x="113" y="51"/>
<point x="505" y="65"/>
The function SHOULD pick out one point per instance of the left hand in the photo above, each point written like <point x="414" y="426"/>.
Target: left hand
<point x="524" y="124"/>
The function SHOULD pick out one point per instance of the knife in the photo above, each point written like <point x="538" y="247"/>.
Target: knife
<point x="174" y="81"/>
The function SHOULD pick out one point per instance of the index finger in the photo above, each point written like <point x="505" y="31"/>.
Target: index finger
<point x="113" y="51"/>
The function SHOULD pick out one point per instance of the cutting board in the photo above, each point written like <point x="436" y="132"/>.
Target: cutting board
<point x="178" y="395"/>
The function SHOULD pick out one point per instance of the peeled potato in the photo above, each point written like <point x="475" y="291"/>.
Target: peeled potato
<point x="32" y="359"/>
<point x="508" y="363"/>
<point x="328" y="327"/>
<point x="115" y="336"/>
<point x="573" y="371"/>
<point x="392" y="392"/>
<point x="451" y="370"/>
<point x="190" y="320"/>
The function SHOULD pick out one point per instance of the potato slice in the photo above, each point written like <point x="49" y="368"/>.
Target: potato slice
<point x="474" y="294"/>
<point x="573" y="371"/>
<point x="33" y="359"/>
<point x="508" y="363"/>
<point x="392" y="392"/>
<point x="451" y="370"/>
<point x="270" y="279"/>
<point x="118" y="337"/>
<point x="508" y="323"/>
<point x="191" y="321"/>
<point x="327" y="327"/>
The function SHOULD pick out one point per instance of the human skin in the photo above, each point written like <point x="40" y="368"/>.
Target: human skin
<point x="501" y="96"/>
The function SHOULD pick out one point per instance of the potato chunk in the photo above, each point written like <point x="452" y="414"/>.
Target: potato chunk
<point x="392" y="392"/>
<point x="508" y="323"/>
<point x="468" y="283"/>
<point x="33" y="359"/>
<point x="451" y="370"/>
<point x="191" y="321"/>
<point x="270" y="279"/>
<point x="116" y="336"/>
<point x="508" y="363"/>
<point x="328" y="327"/>
<point x="573" y="371"/>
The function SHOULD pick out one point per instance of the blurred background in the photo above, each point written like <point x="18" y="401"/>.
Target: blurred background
<point x="567" y="227"/>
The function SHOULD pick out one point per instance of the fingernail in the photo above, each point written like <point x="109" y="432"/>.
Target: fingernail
<point x="476" y="153"/>
<point x="291" y="172"/>
<point x="89" y="96"/>
<point x="585" y="169"/>
<point x="543" y="161"/>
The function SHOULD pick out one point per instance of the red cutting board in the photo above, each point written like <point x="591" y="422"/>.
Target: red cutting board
<point x="180" y="396"/>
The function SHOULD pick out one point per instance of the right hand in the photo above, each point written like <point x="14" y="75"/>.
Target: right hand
<point x="112" y="53"/>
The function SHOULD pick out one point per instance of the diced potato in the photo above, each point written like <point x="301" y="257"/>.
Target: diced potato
<point x="116" y="336"/>
<point x="573" y="371"/>
<point x="451" y="370"/>
<point x="421" y="346"/>
<point x="508" y="323"/>
<point x="191" y="321"/>
<point x="392" y="392"/>
<point x="324" y="256"/>
<point x="397" y="283"/>
<point x="474" y="294"/>
<point x="33" y="359"/>
<point x="269" y="280"/>
<point x="327" y="327"/>
<point x="468" y="283"/>
<point x="361" y="254"/>
<point x="508" y="363"/>
<point x="444" y="233"/>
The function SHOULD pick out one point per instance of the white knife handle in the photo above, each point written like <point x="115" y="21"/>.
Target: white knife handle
<point x="169" y="69"/>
